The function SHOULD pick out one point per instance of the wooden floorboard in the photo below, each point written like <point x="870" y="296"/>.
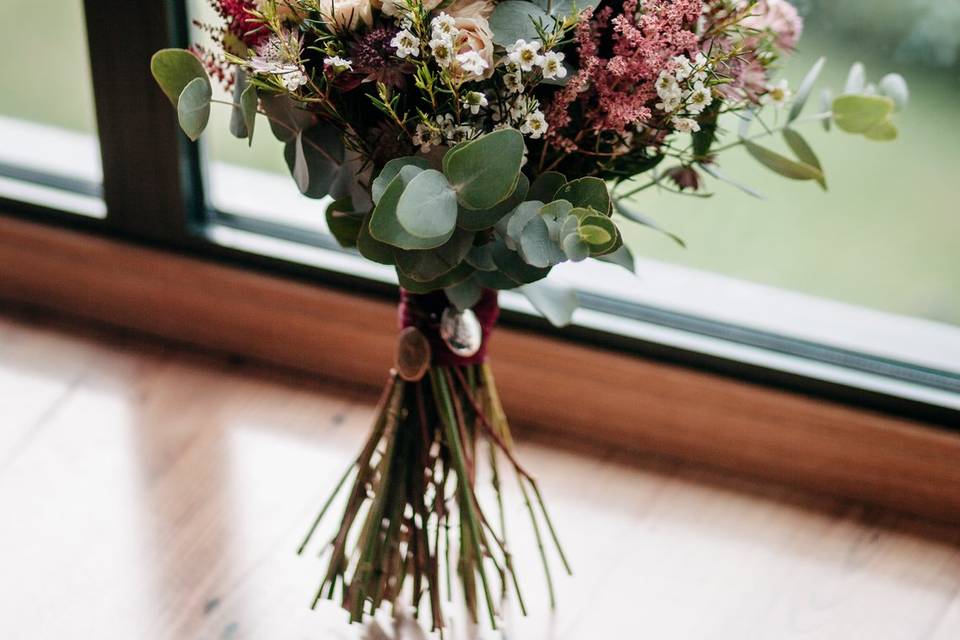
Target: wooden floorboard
<point x="153" y="492"/>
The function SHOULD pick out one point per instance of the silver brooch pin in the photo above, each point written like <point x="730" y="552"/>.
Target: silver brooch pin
<point x="461" y="331"/>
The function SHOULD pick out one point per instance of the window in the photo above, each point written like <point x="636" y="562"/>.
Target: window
<point x="49" y="154"/>
<point x="850" y="294"/>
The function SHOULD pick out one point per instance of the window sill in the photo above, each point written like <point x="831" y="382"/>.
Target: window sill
<point x="556" y="386"/>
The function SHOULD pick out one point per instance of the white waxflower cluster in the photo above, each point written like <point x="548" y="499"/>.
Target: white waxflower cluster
<point x="684" y="89"/>
<point x="443" y="130"/>
<point x="280" y="56"/>
<point x="525" y="56"/>
<point x="444" y="35"/>
<point x="523" y="113"/>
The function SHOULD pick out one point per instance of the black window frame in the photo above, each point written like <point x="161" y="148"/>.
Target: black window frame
<point x="153" y="191"/>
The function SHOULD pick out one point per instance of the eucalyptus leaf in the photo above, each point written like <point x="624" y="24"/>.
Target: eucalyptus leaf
<point x="430" y="264"/>
<point x="343" y="222"/>
<point x="600" y="233"/>
<point x="515" y="20"/>
<point x="622" y="257"/>
<point x="546" y="185"/>
<point x="314" y="157"/>
<point x="301" y="172"/>
<point x="826" y="104"/>
<point x="575" y="248"/>
<point x="630" y="212"/>
<point x="371" y="248"/>
<point x="536" y="246"/>
<point x="782" y="165"/>
<point x="595" y="235"/>
<point x="248" y="108"/>
<point x="882" y="132"/>
<point x="384" y="225"/>
<point x="193" y="108"/>
<point x="860" y="113"/>
<point x="287" y="118"/>
<point x="390" y="171"/>
<point x="712" y="170"/>
<point x="512" y="265"/>
<point x="894" y="86"/>
<point x="856" y="79"/>
<point x="174" y="69"/>
<point x="805" y="153"/>
<point x="556" y="302"/>
<point x="428" y="206"/>
<point x="495" y="280"/>
<point x="480" y="257"/>
<point x="238" y="125"/>
<point x="479" y="220"/>
<point x="461" y="273"/>
<point x="484" y="171"/>
<point x="524" y="213"/>
<point x="803" y="92"/>
<point x="464" y="294"/>
<point x="587" y="193"/>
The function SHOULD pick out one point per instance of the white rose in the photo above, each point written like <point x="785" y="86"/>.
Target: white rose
<point x="348" y="14"/>
<point x="475" y="35"/>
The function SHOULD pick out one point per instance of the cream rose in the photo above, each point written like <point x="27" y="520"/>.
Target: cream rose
<point x="348" y="14"/>
<point x="470" y="9"/>
<point x="474" y="35"/>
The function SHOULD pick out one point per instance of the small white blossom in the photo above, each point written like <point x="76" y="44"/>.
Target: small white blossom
<point x="700" y="64"/>
<point x="513" y="81"/>
<point x="699" y="99"/>
<point x="426" y="137"/>
<point x="442" y="51"/>
<point x="686" y="125"/>
<point x="535" y="125"/>
<point x="406" y="44"/>
<point x="683" y="68"/>
<point x="474" y="100"/>
<point x="517" y="108"/>
<point x="667" y="86"/>
<point x="472" y="62"/>
<point x="338" y="64"/>
<point x="552" y="64"/>
<point x="443" y="26"/>
<point x="670" y="103"/>
<point x="778" y="94"/>
<point x="525" y="54"/>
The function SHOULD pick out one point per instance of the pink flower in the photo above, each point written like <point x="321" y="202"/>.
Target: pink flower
<point x="779" y="18"/>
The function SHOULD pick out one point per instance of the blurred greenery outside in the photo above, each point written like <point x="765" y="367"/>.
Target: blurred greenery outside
<point x="886" y="235"/>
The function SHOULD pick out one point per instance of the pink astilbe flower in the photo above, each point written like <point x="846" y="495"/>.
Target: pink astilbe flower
<point x="617" y="92"/>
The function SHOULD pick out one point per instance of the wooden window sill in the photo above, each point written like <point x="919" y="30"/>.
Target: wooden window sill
<point x="556" y="387"/>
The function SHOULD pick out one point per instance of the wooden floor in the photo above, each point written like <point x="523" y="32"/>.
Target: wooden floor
<point x="148" y="492"/>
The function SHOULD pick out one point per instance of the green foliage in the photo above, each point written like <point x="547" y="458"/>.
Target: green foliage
<point x="174" y="69"/>
<point x="802" y="149"/>
<point x="803" y="92"/>
<point x="428" y="206"/>
<point x="344" y="223"/>
<point x="390" y="171"/>
<point x="315" y="158"/>
<point x="243" y="117"/>
<point x="545" y="186"/>
<point x="193" y="107"/>
<point x="485" y="171"/>
<point x="465" y="294"/>
<point x="587" y="193"/>
<point x="286" y="117"/>
<point x="449" y="279"/>
<point x="782" y="165"/>
<point x="516" y="19"/>
<point x="384" y="225"/>
<point x="866" y="115"/>
<point x="555" y="302"/>
<point x="479" y="220"/>
<point x="428" y="265"/>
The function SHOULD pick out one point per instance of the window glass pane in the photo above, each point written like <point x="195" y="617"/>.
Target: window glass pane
<point x="887" y="234"/>
<point x="49" y="153"/>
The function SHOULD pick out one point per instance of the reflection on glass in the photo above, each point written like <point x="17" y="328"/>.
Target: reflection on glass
<point x="887" y="235"/>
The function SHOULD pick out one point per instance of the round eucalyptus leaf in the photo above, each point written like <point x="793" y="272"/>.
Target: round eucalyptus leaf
<point x="428" y="206"/>
<point x="384" y="225"/>
<point x="515" y="19"/>
<point x="371" y="248"/>
<point x="344" y="223"/>
<point x="390" y="171"/>
<point x="193" y="107"/>
<point x="174" y="69"/>
<point x="480" y="257"/>
<point x="287" y="118"/>
<point x="594" y="235"/>
<point x="558" y="210"/>
<point x="537" y="247"/>
<point x="575" y="248"/>
<point x="524" y="213"/>
<point x="894" y="86"/>
<point x="514" y="267"/>
<point x="430" y="264"/>
<point x="495" y="280"/>
<point x="586" y="193"/>
<point x="461" y="273"/>
<point x="465" y="294"/>
<point x="480" y="220"/>
<point x="860" y="113"/>
<point x="546" y="185"/>
<point x="484" y="171"/>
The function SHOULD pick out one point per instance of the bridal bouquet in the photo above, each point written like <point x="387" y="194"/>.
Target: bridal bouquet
<point x="474" y="145"/>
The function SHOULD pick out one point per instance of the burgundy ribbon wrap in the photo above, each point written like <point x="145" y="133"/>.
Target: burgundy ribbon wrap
<point x="423" y="311"/>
